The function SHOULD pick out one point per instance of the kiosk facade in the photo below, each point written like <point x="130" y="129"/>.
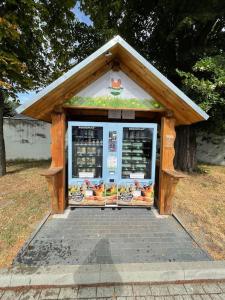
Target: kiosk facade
<point x="114" y="109"/>
<point x="111" y="163"/>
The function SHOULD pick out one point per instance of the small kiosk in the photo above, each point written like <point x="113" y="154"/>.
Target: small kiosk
<point x="113" y="122"/>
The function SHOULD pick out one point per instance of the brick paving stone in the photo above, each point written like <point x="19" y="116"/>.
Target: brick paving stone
<point x="222" y="286"/>
<point x="105" y="291"/>
<point x="31" y="294"/>
<point x="177" y="289"/>
<point x="11" y="295"/>
<point x="123" y="290"/>
<point x="159" y="298"/>
<point x="159" y="290"/>
<point x="68" y="293"/>
<point x="165" y="241"/>
<point x="86" y="292"/>
<point x="127" y="298"/>
<point x="147" y="298"/>
<point x="215" y="296"/>
<point x="168" y="297"/>
<point x="178" y="297"/>
<point x="187" y="297"/>
<point x="196" y="297"/>
<point x="206" y="297"/>
<point x="50" y="293"/>
<point x="212" y="288"/>
<point x="193" y="288"/>
<point x="142" y="290"/>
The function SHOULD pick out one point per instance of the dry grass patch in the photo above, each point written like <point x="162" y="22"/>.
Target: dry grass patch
<point x="24" y="201"/>
<point x="200" y="204"/>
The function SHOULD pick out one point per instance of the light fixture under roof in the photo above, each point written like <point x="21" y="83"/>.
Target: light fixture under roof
<point x="108" y="53"/>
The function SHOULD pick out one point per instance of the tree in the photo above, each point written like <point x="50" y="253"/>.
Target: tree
<point x="39" y="40"/>
<point x="206" y="85"/>
<point x="172" y="35"/>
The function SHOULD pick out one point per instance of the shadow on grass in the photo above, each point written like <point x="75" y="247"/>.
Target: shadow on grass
<point x="17" y="166"/>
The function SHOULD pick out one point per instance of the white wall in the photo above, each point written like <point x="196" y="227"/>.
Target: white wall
<point x="30" y="139"/>
<point x="26" y="139"/>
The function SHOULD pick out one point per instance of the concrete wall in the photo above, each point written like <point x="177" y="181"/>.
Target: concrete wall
<point x="211" y="148"/>
<point x="26" y="139"/>
<point x="30" y="139"/>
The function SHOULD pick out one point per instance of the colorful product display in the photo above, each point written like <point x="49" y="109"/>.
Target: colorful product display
<point x="111" y="164"/>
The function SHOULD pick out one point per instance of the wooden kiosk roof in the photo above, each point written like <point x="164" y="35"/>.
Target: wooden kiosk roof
<point x="97" y="64"/>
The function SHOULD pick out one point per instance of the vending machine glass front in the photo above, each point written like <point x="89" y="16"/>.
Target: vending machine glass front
<point x="87" y="151"/>
<point x="137" y="153"/>
<point x="85" y="144"/>
<point x="136" y="187"/>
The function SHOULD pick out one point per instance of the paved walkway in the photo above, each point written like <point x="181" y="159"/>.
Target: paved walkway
<point x="189" y="291"/>
<point x="95" y="236"/>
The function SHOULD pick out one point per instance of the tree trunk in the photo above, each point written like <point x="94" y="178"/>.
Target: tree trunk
<point x="2" y="143"/>
<point x="185" y="146"/>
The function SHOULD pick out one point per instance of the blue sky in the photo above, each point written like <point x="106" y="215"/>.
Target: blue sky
<point x="24" y="97"/>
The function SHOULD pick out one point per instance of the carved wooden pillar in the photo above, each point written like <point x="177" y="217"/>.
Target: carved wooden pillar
<point x="58" y="155"/>
<point x="168" y="177"/>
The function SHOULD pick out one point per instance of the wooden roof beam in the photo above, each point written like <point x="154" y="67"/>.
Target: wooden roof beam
<point x="76" y="87"/>
<point x="149" y="89"/>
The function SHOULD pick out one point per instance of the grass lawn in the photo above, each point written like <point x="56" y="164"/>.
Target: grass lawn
<point x="200" y="204"/>
<point x="24" y="201"/>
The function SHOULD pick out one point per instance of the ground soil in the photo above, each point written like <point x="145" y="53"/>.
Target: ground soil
<point x="200" y="204"/>
<point x="24" y="201"/>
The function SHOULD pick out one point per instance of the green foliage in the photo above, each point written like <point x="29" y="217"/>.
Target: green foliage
<point x="10" y="106"/>
<point x="39" y="41"/>
<point x="173" y="35"/>
<point x="206" y="85"/>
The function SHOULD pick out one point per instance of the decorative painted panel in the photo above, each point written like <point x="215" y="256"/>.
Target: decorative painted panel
<point x="87" y="192"/>
<point x="114" y="90"/>
<point x="136" y="193"/>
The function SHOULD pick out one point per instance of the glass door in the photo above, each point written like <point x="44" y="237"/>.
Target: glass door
<point x="85" y="144"/>
<point x="138" y="165"/>
<point x="136" y="153"/>
<point x="87" y="152"/>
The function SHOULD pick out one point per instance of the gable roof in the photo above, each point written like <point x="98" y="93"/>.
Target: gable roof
<point x="98" y="63"/>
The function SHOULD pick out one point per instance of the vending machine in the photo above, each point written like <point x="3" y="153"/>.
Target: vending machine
<point x="111" y="164"/>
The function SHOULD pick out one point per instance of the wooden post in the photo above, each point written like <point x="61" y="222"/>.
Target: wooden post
<point x="168" y="177"/>
<point x="58" y="155"/>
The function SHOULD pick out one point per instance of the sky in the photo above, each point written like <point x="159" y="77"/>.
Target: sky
<point x="24" y="97"/>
